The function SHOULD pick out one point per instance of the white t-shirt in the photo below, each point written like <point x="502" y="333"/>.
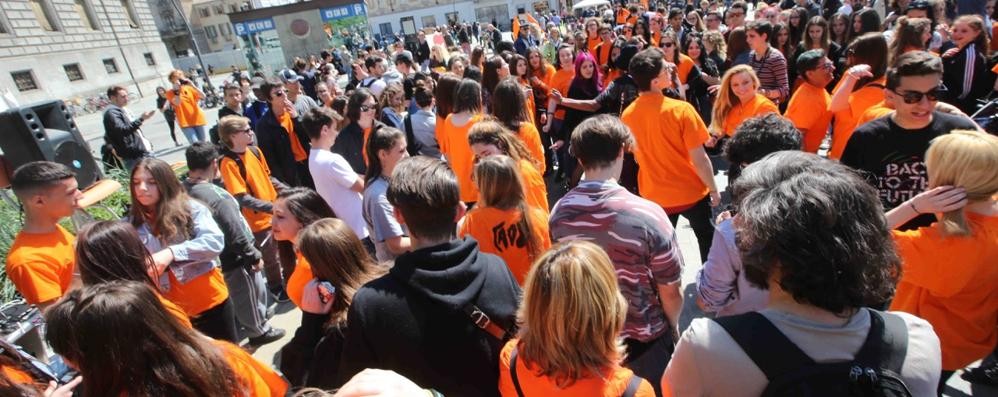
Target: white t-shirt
<point x="333" y="178"/>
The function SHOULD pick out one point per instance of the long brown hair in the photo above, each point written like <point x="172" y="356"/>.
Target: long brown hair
<point x="109" y="251"/>
<point x="509" y="104"/>
<point x="500" y="186"/>
<point x="170" y="219"/>
<point x="337" y="256"/>
<point x="126" y="344"/>
<point x="491" y="132"/>
<point x="444" y="94"/>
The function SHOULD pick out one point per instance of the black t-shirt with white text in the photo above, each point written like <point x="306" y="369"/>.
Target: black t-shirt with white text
<point x="892" y="159"/>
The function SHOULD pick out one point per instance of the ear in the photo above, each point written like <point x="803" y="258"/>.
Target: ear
<point x="461" y="210"/>
<point x="398" y="215"/>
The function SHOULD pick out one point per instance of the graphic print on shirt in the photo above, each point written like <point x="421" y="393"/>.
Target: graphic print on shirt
<point x="504" y="236"/>
<point x="903" y="177"/>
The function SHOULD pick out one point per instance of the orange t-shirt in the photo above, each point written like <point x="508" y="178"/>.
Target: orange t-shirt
<point x="758" y="106"/>
<point x="459" y="155"/>
<point x="532" y="140"/>
<point x="592" y="43"/>
<point x="950" y="282"/>
<point x="256" y="184"/>
<point x="684" y="68"/>
<point x="666" y="130"/>
<point x="602" y="53"/>
<point x="363" y="149"/>
<point x="175" y="311"/>
<point x="299" y="277"/>
<point x="622" y="16"/>
<point x="529" y="93"/>
<point x="200" y="294"/>
<point x="808" y="109"/>
<point x="498" y="232"/>
<point x="189" y="114"/>
<point x="612" y="384"/>
<point x="845" y="120"/>
<point x="41" y="265"/>
<point x="562" y="81"/>
<point x="257" y="379"/>
<point x="296" y="148"/>
<point x="16" y="375"/>
<point x="610" y="77"/>
<point x="877" y="111"/>
<point x="534" y="190"/>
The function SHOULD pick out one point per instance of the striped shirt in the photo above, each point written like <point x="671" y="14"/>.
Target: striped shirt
<point x="638" y="237"/>
<point x="772" y="71"/>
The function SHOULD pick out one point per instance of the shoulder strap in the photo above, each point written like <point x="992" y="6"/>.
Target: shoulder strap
<point x="242" y="166"/>
<point x="410" y="136"/>
<point x="483" y="321"/>
<point x="632" y="386"/>
<point x="768" y="348"/>
<point x="512" y="372"/>
<point x="886" y="343"/>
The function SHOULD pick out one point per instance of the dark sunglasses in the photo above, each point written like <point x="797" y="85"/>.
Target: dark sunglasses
<point x="365" y="108"/>
<point x="913" y="97"/>
<point x="279" y="93"/>
<point x="668" y="45"/>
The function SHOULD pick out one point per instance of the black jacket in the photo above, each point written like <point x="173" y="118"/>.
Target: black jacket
<point x="412" y="321"/>
<point x="239" y="248"/>
<point x="423" y="53"/>
<point x="123" y="135"/>
<point x="275" y="143"/>
<point x="350" y="144"/>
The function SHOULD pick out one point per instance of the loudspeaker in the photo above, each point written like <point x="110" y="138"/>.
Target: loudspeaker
<point x="47" y="131"/>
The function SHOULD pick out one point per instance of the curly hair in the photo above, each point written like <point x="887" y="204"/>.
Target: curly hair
<point x="759" y="136"/>
<point x="819" y="228"/>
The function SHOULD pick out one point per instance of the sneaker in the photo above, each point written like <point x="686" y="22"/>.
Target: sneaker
<point x="280" y="295"/>
<point x="983" y="375"/>
<point x="270" y="336"/>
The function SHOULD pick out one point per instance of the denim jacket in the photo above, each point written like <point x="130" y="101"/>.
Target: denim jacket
<point x="192" y="257"/>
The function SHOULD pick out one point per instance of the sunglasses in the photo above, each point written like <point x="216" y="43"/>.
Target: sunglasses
<point x="913" y="97"/>
<point x="366" y="108"/>
<point x="668" y="44"/>
<point x="280" y="93"/>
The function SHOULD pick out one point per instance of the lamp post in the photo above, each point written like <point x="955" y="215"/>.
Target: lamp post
<point x="194" y="43"/>
<point x="117" y="41"/>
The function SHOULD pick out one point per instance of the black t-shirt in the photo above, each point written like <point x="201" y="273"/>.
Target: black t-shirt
<point x="893" y="159"/>
<point x="618" y="95"/>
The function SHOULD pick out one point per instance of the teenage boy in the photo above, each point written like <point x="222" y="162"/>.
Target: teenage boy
<point x="769" y="64"/>
<point x="247" y="177"/>
<point x="638" y="236"/>
<point x="890" y="151"/>
<point x="295" y="91"/>
<point x="375" y="66"/>
<point x="123" y="131"/>
<point x="241" y="261"/>
<point x="808" y="107"/>
<point x="335" y="180"/>
<point x="423" y="318"/>
<point x="282" y="138"/>
<point x="233" y="101"/>
<point x="674" y="172"/>
<point x="42" y="258"/>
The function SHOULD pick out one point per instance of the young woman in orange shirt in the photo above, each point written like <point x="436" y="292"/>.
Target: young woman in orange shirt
<point x="489" y="138"/>
<point x="510" y="110"/>
<point x="454" y="135"/>
<point x="294" y="209"/>
<point x="861" y="87"/>
<point x="738" y="99"/>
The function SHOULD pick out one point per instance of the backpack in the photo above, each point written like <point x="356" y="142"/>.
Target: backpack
<point x="242" y="166"/>
<point x="632" y="384"/>
<point x="874" y="371"/>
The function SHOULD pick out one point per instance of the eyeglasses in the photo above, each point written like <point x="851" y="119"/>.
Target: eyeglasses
<point x="913" y="97"/>
<point x="246" y="131"/>
<point x="668" y="44"/>
<point x="366" y="108"/>
<point x="280" y="93"/>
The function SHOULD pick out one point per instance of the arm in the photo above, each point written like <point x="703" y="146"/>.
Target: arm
<point x="398" y="245"/>
<point x="239" y="241"/>
<point x="116" y="119"/>
<point x="706" y="173"/>
<point x="840" y="99"/>
<point x="672" y="303"/>
<point x="207" y="241"/>
<point x="717" y="281"/>
<point x="937" y="200"/>
<point x="358" y="185"/>
<point x="779" y="66"/>
<point x="586" y="105"/>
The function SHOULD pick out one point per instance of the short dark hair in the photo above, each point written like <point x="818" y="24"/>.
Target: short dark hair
<point x="597" y="141"/>
<point x="425" y="191"/>
<point x="738" y="4"/>
<point x="113" y="90"/>
<point x="371" y="61"/>
<point x="761" y="27"/>
<point x="315" y="118"/>
<point x="268" y="86"/>
<point x="759" y="136"/>
<point x="646" y="66"/>
<point x="30" y="177"/>
<point x="791" y="223"/>
<point x="423" y="97"/>
<point x="231" y="87"/>
<point x="201" y="155"/>
<point x="809" y="60"/>
<point x="913" y="63"/>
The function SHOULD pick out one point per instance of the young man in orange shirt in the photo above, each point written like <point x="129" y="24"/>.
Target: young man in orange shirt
<point x="808" y="107"/>
<point x="41" y="260"/>
<point x="674" y="172"/>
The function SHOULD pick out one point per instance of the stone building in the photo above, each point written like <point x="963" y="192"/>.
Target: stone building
<point x="390" y="17"/>
<point x="74" y="49"/>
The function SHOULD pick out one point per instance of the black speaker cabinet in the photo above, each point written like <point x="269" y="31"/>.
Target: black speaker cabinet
<point x="47" y="131"/>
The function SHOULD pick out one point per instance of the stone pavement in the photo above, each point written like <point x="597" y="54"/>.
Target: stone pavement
<point x="288" y="317"/>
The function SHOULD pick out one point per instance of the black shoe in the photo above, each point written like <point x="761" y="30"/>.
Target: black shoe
<point x="983" y="375"/>
<point x="280" y="295"/>
<point x="267" y="337"/>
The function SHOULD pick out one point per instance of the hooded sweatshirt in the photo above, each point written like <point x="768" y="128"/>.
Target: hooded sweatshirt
<point x="412" y="320"/>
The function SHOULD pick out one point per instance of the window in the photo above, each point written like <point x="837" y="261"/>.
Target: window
<point x="150" y="61"/>
<point x="133" y="19"/>
<point x="24" y="80"/>
<point x="73" y="71"/>
<point x="429" y="21"/>
<point x="233" y="8"/>
<point x="211" y="32"/>
<point x="4" y="24"/>
<point x="205" y="12"/>
<point x="225" y="28"/>
<point x="86" y="12"/>
<point x="219" y="9"/>
<point x="45" y="15"/>
<point x="111" y="66"/>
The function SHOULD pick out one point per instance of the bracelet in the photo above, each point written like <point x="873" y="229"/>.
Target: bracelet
<point x="912" y="205"/>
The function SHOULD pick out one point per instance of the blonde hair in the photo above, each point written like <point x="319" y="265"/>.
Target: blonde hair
<point x="572" y="314"/>
<point x="174" y="75"/>
<point x="491" y="132"/>
<point x="716" y="39"/>
<point x="967" y="159"/>
<point x="500" y="186"/>
<point x="393" y="88"/>
<point x="229" y="126"/>
<point x="726" y="98"/>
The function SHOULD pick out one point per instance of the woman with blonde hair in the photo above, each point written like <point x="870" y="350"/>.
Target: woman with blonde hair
<point x="438" y="58"/>
<point x="392" y="105"/>
<point x="503" y="222"/>
<point x="572" y="283"/>
<point x="738" y="99"/>
<point x="948" y="269"/>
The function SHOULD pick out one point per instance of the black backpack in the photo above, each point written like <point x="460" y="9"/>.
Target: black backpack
<point x="874" y="371"/>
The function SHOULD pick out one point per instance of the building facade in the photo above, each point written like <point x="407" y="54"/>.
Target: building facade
<point x="391" y="17"/>
<point x="75" y="49"/>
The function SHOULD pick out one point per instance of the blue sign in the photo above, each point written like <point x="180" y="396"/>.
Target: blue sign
<point x="333" y="13"/>
<point x="254" y="26"/>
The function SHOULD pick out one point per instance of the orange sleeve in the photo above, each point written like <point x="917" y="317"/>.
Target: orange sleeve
<point x="534" y="188"/>
<point x="694" y="130"/>
<point x="176" y="312"/>
<point x="39" y="278"/>
<point x="231" y="177"/>
<point x="994" y="69"/>
<point x="927" y="259"/>
<point x="257" y="379"/>
<point x="440" y="130"/>
<point x="299" y="277"/>
<point x="684" y="68"/>
<point x="532" y="140"/>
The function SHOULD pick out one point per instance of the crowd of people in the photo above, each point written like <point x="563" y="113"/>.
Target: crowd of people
<point x="407" y="215"/>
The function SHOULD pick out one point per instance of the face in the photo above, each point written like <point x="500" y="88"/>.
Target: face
<point x="120" y="99"/>
<point x="771" y="15"/>
<point x="815" y="32"/>
<point x="322" y="91"/>
<point x="606" y="35"/>
<point x="926" y="36"/>
<point x="535" y="59"/>
<point x="668" y="46"/>
<point x="160" y="91"/>
<point x="735" y="17"/>
<point x="655" y="24"/>
<point x="521" y="68"/>
<point x="63" y="198"/>
<point x="917" y="14"/>
<point x="823" y="74"/>
<point x="366" y="116"/>
<point x="482" y="150"/>
<point x="591" y="27"/>
<point x="421" y="36"/>
<point x="277" y="95"/>
<point x="457" y="68"/>
<point x="676" y="21"/>
<point x="713" y="22"/>
<point x="755" y="40"/>
<point x="919" y="112"/>
<point x="284" y="225"/>
<point x="664" y="79"/>
<point x="145" y="190"/>
<point x="233" y="97"/>
<point x="962" y="34"/>
<point x="692" y="18"/>
<point x="694" y="50"/>
<point x="783" y="36"/>
<point x="838" y="26"/>
<point x="857" y="24"/>
<point x="587" y="69"/>
<point x="391" y="157"/>
<point x="794" y="19"/>
<point x="742" y="86"/>
<point x="243" y="137"/>
<point x="565" y="57"/>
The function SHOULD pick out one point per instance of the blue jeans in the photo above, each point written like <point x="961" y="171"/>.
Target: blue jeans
<point x="195" y="134"/>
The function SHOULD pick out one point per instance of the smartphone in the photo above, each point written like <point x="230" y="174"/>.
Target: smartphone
<point x="326" y="291"/>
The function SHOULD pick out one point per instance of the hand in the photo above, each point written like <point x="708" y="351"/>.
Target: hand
<point x="557" y="144"/>
<point x="148" y="115"/>
<point x="711" y="142"/>
<point x="713" y="89"/>
<point x="715" y="198"/>
<point x="859" y="71"/>
<point x="939" y="199"/>
<point x="290" y="107"/>
<point x="54" y="390"/>
<point x="543" y="119"/>
<point x="950" y="52"/>
<point x="723" y="216"/>
<point x="315" y="301"/>
<point x="258" y="266"/>
<point x="556" y="96"/>
<point x="161" y="260"/>
<point x="378" y="382"/>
